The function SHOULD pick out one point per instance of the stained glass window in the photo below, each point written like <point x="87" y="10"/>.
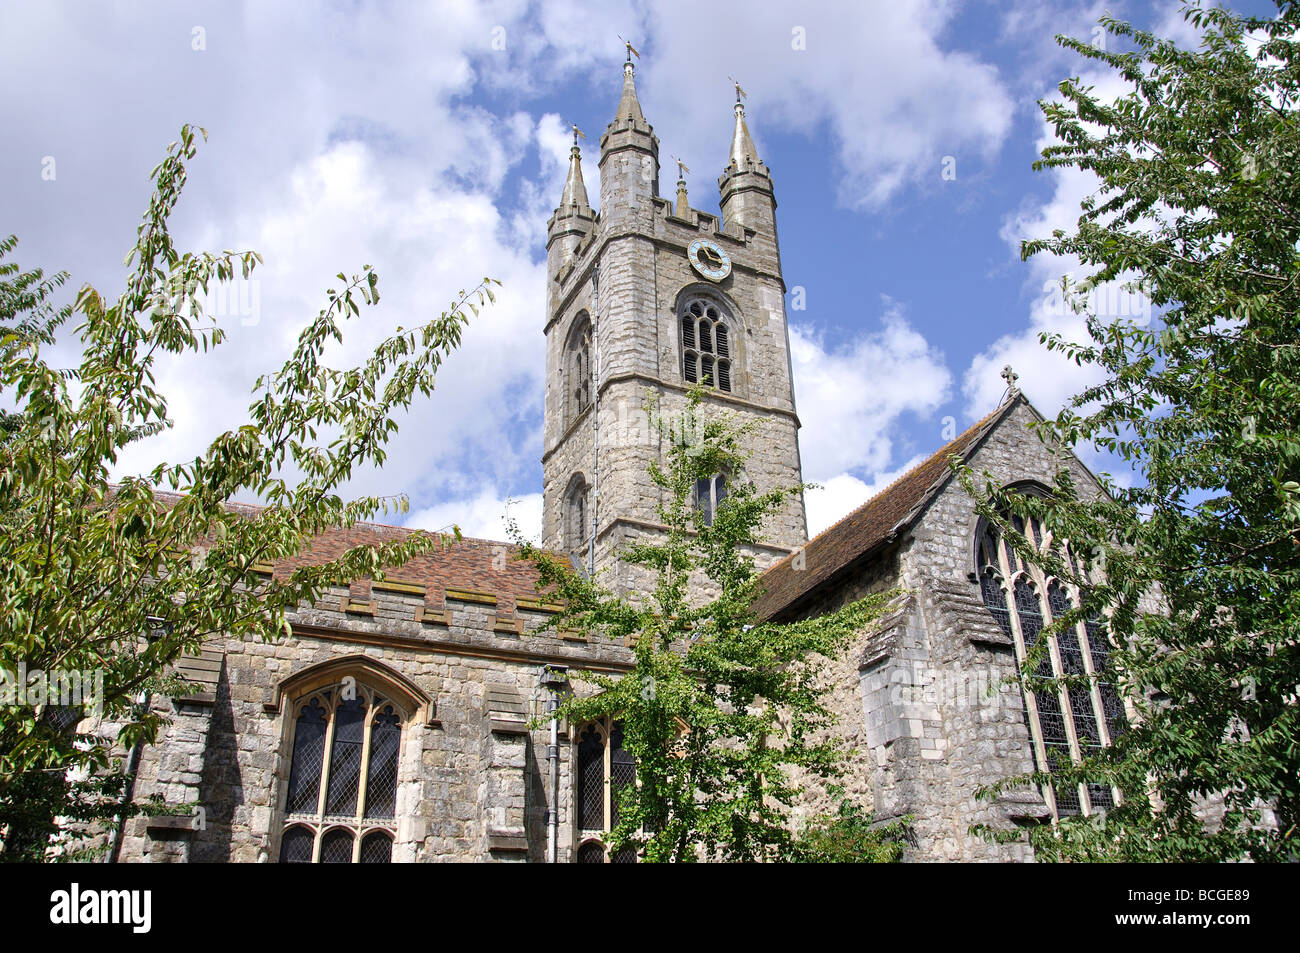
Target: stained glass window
<point x="296" y="845"/>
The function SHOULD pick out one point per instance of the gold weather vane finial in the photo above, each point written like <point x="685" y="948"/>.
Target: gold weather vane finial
<point x="631" y="50"/>
<point x="740" y="93"/>
<point x="577" y="133"/>
<point x="682" y="168"/>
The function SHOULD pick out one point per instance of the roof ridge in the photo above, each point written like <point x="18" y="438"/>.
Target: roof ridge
<point x="872" y="523"/>
<point x="987" y="418"/>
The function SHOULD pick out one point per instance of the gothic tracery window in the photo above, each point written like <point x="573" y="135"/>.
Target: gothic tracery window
<point x="604" y="769"/>
<point x="340" y="803"/>
<point x="706" y="344"/>
<point x="1068" y="719"/>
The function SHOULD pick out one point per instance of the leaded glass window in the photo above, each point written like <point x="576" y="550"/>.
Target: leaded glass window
<point x="604" y="769"/>
<point x="706" y="344"/>
<point x="1070" y="704"/>
<point x="340" y="802"/>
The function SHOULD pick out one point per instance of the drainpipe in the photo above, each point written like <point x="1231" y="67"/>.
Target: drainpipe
<point x="128" y="793"/>
<point x="554" y="680"/>
<point x="595" y="417"/>
<point x="158" y="629"/>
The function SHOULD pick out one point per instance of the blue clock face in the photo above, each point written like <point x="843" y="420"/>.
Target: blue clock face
<point x="708" y="259"/>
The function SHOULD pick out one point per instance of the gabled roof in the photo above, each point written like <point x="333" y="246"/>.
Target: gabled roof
<point x="873" y="523"/>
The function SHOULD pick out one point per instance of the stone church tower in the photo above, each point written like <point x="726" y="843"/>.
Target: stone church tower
<point x="649" y="297"/>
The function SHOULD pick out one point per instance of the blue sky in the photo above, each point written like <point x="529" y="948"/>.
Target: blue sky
<point x="430" y="140"/>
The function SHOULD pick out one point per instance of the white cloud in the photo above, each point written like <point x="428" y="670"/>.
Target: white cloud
<point x="840" y="495"/>
<point x="1049" y="379"/>
<point x="872" y="84"/>
<point x="851" y="399"/>
<point x="345" y="137"/>
<point x="485" y="516"/>
<point x="851" y="396"/>
<point x="347" y="208"/>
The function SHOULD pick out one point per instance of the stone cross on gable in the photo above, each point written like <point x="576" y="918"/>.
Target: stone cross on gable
<point x="1010" y="377"/>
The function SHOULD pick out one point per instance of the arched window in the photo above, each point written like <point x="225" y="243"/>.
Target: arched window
<point x="340" y="803"/>
<point x="1068" y="721"/>
<point x="577" y="514"/>
<point x="709" y="495"/>
<point x="706" y="344"/>
<point x="577" y="367"/>
<point x="604" y="769"/>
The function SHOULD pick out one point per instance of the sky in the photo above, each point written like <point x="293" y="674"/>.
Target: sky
<point x="430" y="140"/>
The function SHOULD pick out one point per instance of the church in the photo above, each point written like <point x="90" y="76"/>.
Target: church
<point x="395" y="724"/>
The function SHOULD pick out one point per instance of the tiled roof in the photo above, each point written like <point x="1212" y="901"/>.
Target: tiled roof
<point x="834" y="549"/>
<point x="480" y="565"/>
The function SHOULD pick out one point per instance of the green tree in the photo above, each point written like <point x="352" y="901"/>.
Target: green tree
<point x="723" y="713"/>
<point x="114" y="578"/>
<point x="1195" y="561"/>
<point x="26" y="311"/>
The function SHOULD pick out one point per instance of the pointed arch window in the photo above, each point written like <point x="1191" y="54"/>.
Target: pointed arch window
<point x="604" y="769"/>
<point x="709" y="495"/>
<point x="1072" y="707"/>
<point x="706" y="344"/>
<point x="340" y="803"/>
<point x="577" y="367"/>
<point x="577" y="515"/>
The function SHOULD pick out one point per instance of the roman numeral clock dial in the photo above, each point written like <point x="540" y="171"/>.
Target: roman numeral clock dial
<point x="708" y="259"/>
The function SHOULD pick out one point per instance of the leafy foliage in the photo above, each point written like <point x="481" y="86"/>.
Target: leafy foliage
<point x="723" y="713"/>
<point x="852" y="836"/>
<point x="1197" y="563"/>
<point x="120" y="577"/>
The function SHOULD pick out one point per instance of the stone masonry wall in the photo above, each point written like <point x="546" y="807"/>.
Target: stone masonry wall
<point x="472" y="776"/>
<point x="936" y="716"/>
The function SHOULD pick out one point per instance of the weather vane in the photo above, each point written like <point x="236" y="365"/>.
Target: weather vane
<point x="577" y="133"/>
<point x="631" y="50"/>
<point x="682" y="168"/>
<point x="740" y="93"/>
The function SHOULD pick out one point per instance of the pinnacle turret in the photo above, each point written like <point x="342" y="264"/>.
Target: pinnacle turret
<point x="683" y="208"/>
<point x="743" y="153"/>
<point x="575" y="190"/>
<point x="748" y="200"/>
<point x="629" y="159"/>
<point x="628" y="105"/>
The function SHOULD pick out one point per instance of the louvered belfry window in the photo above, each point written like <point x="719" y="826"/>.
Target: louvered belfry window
<point x="604" y="769"/>
<point x="706" y="345"/>
<point x="1068" y="720"/>
<point x="341" y="800"/>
